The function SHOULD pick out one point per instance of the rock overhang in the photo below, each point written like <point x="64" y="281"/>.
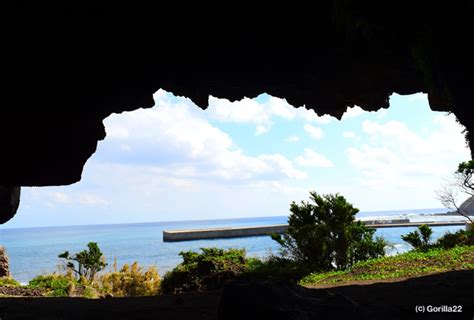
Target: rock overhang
<point x="62" y="81"/>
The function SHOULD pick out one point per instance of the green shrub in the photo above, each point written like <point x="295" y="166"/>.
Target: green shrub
<point x="459" y="238"/>
<point x="413" y="238"/>
<point x="323" y="234"/>
<point x="419" y="239"/>
<point x="426" y="233"/>
<point x="9" y="282"/>
<point x="85" y="263"/>
<point x="274" y="268"/>
<point x="210" y="269"/>
<point x="56" y="285"/>
<point x="129" y="281"/>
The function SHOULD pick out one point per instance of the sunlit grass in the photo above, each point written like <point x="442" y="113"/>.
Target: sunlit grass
<point x="410" y="264"/>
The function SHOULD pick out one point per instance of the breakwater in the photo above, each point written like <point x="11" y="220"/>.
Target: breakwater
<point x="214" y="233"/>
<point x="229" y="232"/>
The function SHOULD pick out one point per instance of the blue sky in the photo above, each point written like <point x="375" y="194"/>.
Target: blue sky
<point x="251" y="158"/>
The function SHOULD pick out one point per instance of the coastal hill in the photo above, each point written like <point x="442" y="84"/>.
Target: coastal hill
<point x="468" y="206"/>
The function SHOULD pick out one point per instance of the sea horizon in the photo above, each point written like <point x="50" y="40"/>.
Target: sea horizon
<point x="362" y="214"/>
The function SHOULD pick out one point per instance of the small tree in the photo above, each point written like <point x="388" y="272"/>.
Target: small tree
<point x="420" y="238"/>
<point x="85" y="263"/>
<point x="463" y="183"/>
<point x="323" y="234"/>
<point x="426" y="233"/>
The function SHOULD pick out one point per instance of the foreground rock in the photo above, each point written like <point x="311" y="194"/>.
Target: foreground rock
<point x="386" y="301"/>
<point x="4" y="264"/>
<point x="20" y="292"/>
<point x="259" y="300"/>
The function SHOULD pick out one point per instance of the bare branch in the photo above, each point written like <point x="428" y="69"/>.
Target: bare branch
<point x="448" y="198"/>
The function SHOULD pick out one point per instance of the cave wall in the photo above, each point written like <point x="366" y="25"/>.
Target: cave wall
<point x="68" y="68"/>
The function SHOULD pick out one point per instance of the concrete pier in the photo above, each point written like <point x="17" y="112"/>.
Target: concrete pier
<point x="215" y="233"/>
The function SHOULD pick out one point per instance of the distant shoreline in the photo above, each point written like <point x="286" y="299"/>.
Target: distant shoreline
<point x="452" y="213"/>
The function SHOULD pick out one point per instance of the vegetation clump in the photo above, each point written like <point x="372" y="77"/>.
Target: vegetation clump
<point x="9" y="282"/>
<point x="210" y="269"/>
<point x="129" y="281"/>
<point x="85" y="263"/>
<point x="82" y="278"/>
<point x="464" y="184"/>
<point x="421" y="239"/>
<point x="410" y="264"/>
<point x="55" y="284"/>
<point x="458" y="238"/>
<point x="324" y="235"/>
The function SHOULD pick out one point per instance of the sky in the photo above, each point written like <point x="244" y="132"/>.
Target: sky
<point x="252" y="158"/>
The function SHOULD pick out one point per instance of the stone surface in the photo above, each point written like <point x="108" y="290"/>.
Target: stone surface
<point x="4" y="264"/>
<point x="62" y="79"/>
<point x="260" y="300"/>
<point x="386" y="301"/>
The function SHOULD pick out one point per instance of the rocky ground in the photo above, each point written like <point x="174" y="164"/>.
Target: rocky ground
<point x="20" y="292"/>
<point x="390" y="300"/>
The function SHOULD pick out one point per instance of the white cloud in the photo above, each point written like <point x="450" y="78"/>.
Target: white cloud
<point x="314" y="132"/>
<point x="352" y="113"/>
<point x="313" y="159"/>
<point x="395" y="156"/>
<point x="261" y="114"/>
<point x="52" y="198"/>
<point x="292" y="139"/>
<point x="324" y="119"/>
<point x="348" y="134"/>
<point x="91" y="199"/>
<point x="60" y="197"/>
<point x="286" y="166"/>
<point x="175" y="131"/>
<point x="260" y="129"/>
<point x="382" y="113"/>
<point x="281" y="108"/>
<point x="417" y="97"/>
<point x="245" y="110"/>
<point x="117" y="132"/>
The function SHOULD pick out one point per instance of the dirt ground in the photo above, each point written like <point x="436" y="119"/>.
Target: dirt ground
<point x="396" y="299"/>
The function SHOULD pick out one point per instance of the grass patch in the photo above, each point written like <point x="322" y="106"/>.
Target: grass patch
<point x="55" y="285"/>
<point x="410" y="264"/>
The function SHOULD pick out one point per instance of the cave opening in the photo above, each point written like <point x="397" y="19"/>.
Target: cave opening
<point x="178" y="166"/>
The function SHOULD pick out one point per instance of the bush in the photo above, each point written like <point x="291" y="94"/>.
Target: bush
<point x="459" y="238"/>
<point x="8" y="282"/>
<point x="419" y="239"/>
<point x="324" y="235"/>
<point x="274" y="268"/>
<point x="56" y="285"/>
<point x="364" y="247"/>
<point x="89" y="262"/>
<point x="210" y="269"/>
<point x="130" y="281"/>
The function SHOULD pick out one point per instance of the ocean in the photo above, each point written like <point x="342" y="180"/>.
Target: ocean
<point x="34" y="251"/>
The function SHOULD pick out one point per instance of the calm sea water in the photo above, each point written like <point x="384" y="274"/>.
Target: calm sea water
<point x="33" y="251"/>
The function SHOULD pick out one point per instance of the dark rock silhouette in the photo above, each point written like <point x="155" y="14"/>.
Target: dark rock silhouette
<point x="62" y="79"/>
<point x="9" y="202"/>
<point x="260" y="300"/>
<point x="387" y="301"/>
